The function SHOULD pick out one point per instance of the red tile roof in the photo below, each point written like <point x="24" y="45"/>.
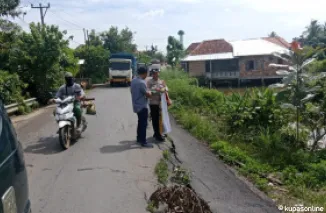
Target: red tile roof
<point x="279" y="41"/>
<point x="212" y="46"/>
<point x="192" y="47"/>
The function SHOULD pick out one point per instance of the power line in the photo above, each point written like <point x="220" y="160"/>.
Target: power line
<point x="29" y="2"/>
<point x="71" y="16"/>
<point x="57" y="16"/>
<point x="24" y="22"/>
<point x="76" y="42"/>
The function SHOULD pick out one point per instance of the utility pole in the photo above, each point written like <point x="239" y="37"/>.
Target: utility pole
<point x="41" y="11"/>
<point x="87" y="40"/>
<point x="84" y="66"/>
<point x="84" y="35"/>
<point x="87" y="49"/>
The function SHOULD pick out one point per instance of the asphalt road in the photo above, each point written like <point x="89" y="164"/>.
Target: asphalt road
<point x="104" y="172"/>
<point x="214" y="181"/>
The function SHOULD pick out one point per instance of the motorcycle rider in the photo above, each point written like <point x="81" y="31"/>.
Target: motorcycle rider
<point x="70" y="88"/>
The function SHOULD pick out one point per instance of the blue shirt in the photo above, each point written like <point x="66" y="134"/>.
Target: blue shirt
<point x="138" y="93"/>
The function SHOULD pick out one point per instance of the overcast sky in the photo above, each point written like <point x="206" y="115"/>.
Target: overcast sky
<point x="154" y="20"/>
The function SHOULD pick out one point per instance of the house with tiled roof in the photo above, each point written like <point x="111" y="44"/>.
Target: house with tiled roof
<point x="279" y="41"/>
<point x="235" y="60"/>
<point x="192" y="47"/>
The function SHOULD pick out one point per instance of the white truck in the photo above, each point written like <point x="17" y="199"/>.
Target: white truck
<point x="122" y="68"/>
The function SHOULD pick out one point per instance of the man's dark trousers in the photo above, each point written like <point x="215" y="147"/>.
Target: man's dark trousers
<point x="155" y="114"/>
<point x="142" y="125"/>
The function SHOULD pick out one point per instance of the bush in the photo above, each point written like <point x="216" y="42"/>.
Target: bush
<point x="28" y="109"/>
<point x="21" y="110"/>
<point x="251" y="131"/>
<point x="35" y="105"/>
<point x="10" y="87"/>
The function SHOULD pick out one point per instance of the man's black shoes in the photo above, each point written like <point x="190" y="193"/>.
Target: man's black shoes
<point x="159" y="138"/>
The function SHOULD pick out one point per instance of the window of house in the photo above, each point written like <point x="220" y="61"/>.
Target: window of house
<point x="207" y="66"/>
<point x="250" y="65"/>
<point x="225" y="65"/>
<point x="261" y="66"/>
<point x="187" y="67"/>
<point x="279" y="61"/>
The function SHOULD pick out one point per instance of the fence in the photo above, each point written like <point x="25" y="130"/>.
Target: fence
<point x="14" y="107"/>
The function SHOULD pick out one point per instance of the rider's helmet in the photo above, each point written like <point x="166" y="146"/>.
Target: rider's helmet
<point x="69" y="78"/>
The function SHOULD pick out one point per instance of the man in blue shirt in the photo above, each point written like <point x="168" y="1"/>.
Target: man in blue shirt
<point x="139" y="94"/>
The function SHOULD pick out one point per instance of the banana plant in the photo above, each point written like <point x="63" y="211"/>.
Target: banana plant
<point x="298" y="82"/>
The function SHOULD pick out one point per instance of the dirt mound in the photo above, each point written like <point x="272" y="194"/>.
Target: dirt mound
<point x="179" y="199"/>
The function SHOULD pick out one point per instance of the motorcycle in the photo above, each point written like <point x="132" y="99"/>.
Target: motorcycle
<point x="67" y="122"/>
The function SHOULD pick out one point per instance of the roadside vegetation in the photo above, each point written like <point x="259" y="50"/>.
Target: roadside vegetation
<point x="271" y="135"/>
<point x="33" y="62"/>
<point x="254" y="132"/>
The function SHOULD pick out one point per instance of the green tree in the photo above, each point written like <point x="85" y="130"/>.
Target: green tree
<point x="272" y="34"/>
<point x="116" y="41"/>
<point x="10" y="84"/>
<point x="9" y="35"/>
<point x="94" y="39"/>
<point x="37" y="59"/>
<point x="314" y="35"/>
<point x="174" y="51"/>
<point x="152" y="51"/>
<point x="299" y="90"/>
<point x="313" y="31"/>
<point x="181" y="34"/>
<point x="68" y="61"/>
<point x="10" y="87"/>
<point x="96" y="62"/>
<point x="143" y="57"/>
<point x="8" y="7"/>
<point x="160" y="56"/>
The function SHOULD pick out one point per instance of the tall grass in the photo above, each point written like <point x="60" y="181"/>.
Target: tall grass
<point x="249" y="131"/>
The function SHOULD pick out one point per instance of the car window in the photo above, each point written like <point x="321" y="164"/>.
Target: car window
<point x="6" y="137"/>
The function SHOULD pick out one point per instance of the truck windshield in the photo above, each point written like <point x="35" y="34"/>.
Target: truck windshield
<point x="119" y="66"/>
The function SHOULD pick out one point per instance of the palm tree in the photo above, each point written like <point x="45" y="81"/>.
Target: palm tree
<point x="174" y="51"/>
<point x="313" y="30"/>
<point x="181" y="34"/>
<point x="272" y="34"/>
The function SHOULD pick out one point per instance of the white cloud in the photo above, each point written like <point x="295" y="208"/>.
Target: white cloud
<point x="227" y="10"/>
<point x="189" y="1"/>
<point x="287" y="6"/>
<point x="151" y="14"/>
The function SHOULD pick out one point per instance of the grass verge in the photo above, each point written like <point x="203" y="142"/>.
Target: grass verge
<point x="288" y="177"/>
<point x="162" y="171"/>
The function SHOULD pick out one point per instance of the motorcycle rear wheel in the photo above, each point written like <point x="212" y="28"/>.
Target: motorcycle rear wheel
<point x="65" y="137"/>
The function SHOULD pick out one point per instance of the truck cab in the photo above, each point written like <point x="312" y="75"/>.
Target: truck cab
<point x="120" y="71"/>
<point x="122" y="68"/>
